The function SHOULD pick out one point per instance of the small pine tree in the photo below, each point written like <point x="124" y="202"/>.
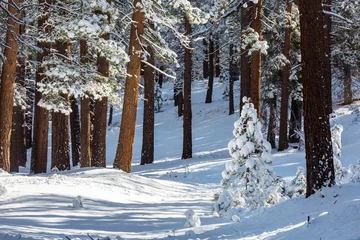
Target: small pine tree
<point x="248" y="180"/>
<point x="158" y="98"/>
<point x="297" y="186"/>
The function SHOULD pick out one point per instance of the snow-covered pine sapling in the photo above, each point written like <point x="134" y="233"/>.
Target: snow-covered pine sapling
<point x="336" y="131"/>
<point x="248" y="180"/>
<point x="297" y="185"/>
<point x="192" y="219"/>
<point x="225" y="79"/>
<point x="158" y="98"/>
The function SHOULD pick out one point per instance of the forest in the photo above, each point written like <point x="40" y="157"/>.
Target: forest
<point x="179" y="119"/>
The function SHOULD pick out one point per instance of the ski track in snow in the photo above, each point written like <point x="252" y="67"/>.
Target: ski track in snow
<point x="150" y="203"/>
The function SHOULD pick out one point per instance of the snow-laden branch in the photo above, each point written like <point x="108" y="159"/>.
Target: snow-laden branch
<point x="157" y="69"/>
<point x="337" y="16"/>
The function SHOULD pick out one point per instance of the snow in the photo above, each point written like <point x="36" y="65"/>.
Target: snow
<point x="150" y="202"/>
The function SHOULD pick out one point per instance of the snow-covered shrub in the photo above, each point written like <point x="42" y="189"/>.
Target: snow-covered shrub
<point x="77" y="202"/>
<point x="297" y="186"/>
<point x="158" y="98"/>
<point x="192" y="219"/>
<point x="3" y="190"/>
<point x="248" y="180"/>
<point x="352" y="174"/>
<point x="336" y="131"/>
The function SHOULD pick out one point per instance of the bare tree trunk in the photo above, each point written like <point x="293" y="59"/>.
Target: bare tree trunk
<point x="272" y="124"/>
<point x="187" y="128"/>
<point x="206" y="60"/>
<point x="8" y="83"/>
<point x="111" y="112"/>
<point x="30" y="94"/>
<point x="256" y="60"/>
<point x="295" y="121"/>
<point x="217" y="59"/>
<point x="60" y="135"/>
<point x="231" y="80"/>
<point x="327" y="27"/>
<point x="161" y="77"/>
<point x="123" y="156"/>
<point x="147" y="151"/>
<point x="180" y="101"/>
<point x="318" y="146"/>
<point x="347" y="84"/>
<point x="283" y="141"/>
<point x="75" y="131"/>
<point x="245" y="67"/>
<point x="211" y="72"/>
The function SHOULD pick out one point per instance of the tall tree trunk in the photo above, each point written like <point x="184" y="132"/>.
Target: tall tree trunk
<point x="211" y="72"/>
<point x="245" y="66"/>
<point x="206" y="60"/>
<point x="318" y="146"/>
<point x="123" y="156"/>
<point x="179" y="101"/>
<point x="217" y="59"/>
<point x="272" y="123"/>
<point x="85" y="117"/>
<point x="256" y="60"/>
<point x="328" y="27"/>
<point x="283" y="141"/>
<point x="60" y="135"/>
<point x="231" y="80"/>
<point x="111" y="112"/>
<point x="295" y="121"/>
<point x="161" y="77"/>
<point x="75" y="131"/>
<point x="147" y="151"/>
<point x="30" y="95"/>
<point x="347" y="84"/>
<point x="187" y="127"/>
<point x="41" y="115"/>
<point x="8" y="83"/>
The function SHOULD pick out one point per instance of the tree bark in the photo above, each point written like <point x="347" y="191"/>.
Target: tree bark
<point x="60" y="135"/>
<point x="245" y="66"/>
<point x="347" y="85"/>
<point x="161" y="77"/>
<point x="75" y="131"/>
<point x="217" y="59"/>
<point x="127" y="129"/>
<point x="295" y="121"/>
<point x="231" y="80"/>
<point x="7" y="84"/>
<point x="283" y="141"/>
<point x="111" y="112"/>
<point x="211" y="72"/>
<point x="30" y="94"/>
<point x="272" y="123"/>
<point x="147" y="151"/>
<point x="205" y="61"/>
<point x="318" y="146"/>
<point x="187" y="128"/>
<point x="328" y="27"/>
<point x="256" y="60"/>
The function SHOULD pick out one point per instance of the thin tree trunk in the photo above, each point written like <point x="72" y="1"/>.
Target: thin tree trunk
<point x="318" y="146"/>
<point x="205" y="61"/>
<point x="161" y="77"/>
<point x="283" y="141"/>
<point x="111" y="112"/>
<point x="30" y="95"/>
<point x="217" y="59"/>
<point x="295" y="121"/>
<point x="187" y="127"/>
<point x="231" y="80"/>
<point x="347" y="85"/>
<point x="127" y="129"/>
<point x="328" y="27"/>
<point x="75" y="131"/>
<point x="60" y="135"/>
<point x="180" y="101"/>
<point x="7" y="85"/>
<point x="211" y="72"/>
<point x="256" y="60"/>
<point x="147" y="151"/>
<point x="272" y="124"/>
<point x="245" y="66"/>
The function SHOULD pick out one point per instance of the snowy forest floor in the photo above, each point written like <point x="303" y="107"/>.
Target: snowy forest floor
<point x="150" y="202"/>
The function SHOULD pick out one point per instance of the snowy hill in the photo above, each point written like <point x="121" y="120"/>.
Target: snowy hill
<point x="151" y="202"/>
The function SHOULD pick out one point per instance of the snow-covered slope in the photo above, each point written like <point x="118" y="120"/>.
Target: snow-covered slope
<point x="151" y="202"/>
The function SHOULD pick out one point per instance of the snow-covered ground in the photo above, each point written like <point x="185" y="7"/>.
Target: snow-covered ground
<point x="151" y="202"/>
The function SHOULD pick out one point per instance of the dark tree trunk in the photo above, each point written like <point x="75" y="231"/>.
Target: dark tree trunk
<point x="179" y="101"/>
<point x="187" y="128"/>
<point x="283" y="141"/>
<point x="41" y="117"/>
<point x="211" y="72"/>
<point x="99" y="133"/>
<point x="111" y="112"/>
<point x="161" y="77"/>
<point x="347" y="85"/>
<point x="272" y="123"/>
<point x="232" y="73"/>
<point x="127" y="129"/>
<point x="217" y="59"/>
<point x="318" y="146"/>
<point x="75" y="131"/>
<point x="60" y="135"/>
<point x="245" y="66"/>
<point x="206" y="60"/>
<point x="328" y="28"/>
<point x="147" y="151"/>
<point x="256" y="59"/>
<point x="295" y="121"/>
<point x="8" y="76"/>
